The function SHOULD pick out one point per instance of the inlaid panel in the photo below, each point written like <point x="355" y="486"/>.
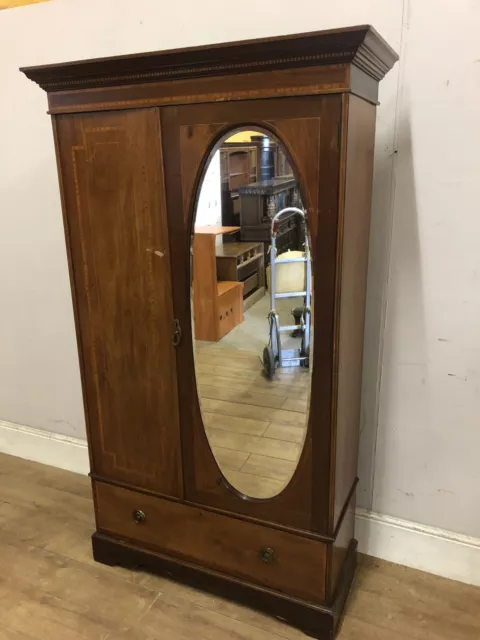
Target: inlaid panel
<point x="117" y="232"/>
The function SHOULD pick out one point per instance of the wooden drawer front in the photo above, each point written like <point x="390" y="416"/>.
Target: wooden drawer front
<point x="215" y="541"/>
<point x="250" y="284"/>
<point x="248" y="268"/>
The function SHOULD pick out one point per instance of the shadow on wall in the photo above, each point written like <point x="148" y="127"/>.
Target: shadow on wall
<point x="405" y="357"/>
<point x="39" y="372"/>
<point x="378" y="265"/>
<point x="390" y="235"/>
<point x="405" y="314"/>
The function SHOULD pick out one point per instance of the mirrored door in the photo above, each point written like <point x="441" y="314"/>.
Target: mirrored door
<point x="248" y="359"/>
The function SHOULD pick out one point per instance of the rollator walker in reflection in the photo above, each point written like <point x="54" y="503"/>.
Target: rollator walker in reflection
<point x="273" y="355"/>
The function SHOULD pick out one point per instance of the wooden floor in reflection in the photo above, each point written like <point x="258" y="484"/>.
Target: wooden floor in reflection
<point x="255" y="426"/>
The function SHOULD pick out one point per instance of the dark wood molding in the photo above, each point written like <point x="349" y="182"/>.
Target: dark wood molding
<point x="316" y="621"/>
<point x="374" y="56"/>
<point x="313" y="80"/>
<point x="362" y="46"/>
<point x="344" y="583"/>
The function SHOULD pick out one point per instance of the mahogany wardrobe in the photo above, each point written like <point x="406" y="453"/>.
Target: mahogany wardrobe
<point x="133" y="136"/>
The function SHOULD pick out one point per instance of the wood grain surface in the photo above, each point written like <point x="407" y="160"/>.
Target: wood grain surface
<point x="353" y="262"/>
<point x="119" y="258"/>
<point x="361" y="45"/>
<point x="215" y="541"/>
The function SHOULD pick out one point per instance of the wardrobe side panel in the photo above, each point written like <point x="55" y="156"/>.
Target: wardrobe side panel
<point x="353" y="287"/>
<point x="111" y="175"/>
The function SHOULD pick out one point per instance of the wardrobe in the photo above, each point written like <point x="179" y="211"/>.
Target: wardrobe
<point x="133" y="135"/>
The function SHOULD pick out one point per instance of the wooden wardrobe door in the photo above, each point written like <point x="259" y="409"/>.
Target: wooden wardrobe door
<point x="117" y="236"/>
<point x="310" y="129"/>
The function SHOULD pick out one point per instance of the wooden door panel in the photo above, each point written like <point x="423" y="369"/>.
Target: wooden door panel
<point x="302" y="138"/>
<point x="116" y="229"/>
<point x="309" y="128"/>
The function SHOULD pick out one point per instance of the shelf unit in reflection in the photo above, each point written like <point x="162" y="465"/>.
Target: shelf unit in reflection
<point x="217" y="304"/>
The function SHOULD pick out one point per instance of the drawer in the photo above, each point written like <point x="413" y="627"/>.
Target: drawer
<point x="249" y="267"/>
<point x="250" y="284"/>
<point x="277" y="559"/>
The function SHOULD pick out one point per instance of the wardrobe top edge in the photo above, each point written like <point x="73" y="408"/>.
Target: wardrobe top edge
<point x="360" y="45"/>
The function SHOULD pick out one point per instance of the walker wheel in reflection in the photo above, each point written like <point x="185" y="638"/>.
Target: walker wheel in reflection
<point x="306" y="352"/>
<point x="268" y="362"/>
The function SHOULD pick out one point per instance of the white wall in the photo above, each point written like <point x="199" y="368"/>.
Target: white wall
<point x="427" y="464"/>
<point x="421" y="463"/>
<point x="209" y="206"/>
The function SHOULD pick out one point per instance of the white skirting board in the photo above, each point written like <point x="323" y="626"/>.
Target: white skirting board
<point x="445" y="553"/>
<point x="419" y="546"/>
<point x="45" y="447"/>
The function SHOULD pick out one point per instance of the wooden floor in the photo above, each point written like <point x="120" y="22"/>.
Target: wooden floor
<point x="255" y="426"/>
<point x="51" y="589"/>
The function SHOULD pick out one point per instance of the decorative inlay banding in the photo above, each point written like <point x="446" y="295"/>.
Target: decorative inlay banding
<point x="192" y="71"/>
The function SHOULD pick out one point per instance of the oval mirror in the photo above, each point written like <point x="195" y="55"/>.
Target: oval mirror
<point x="252" y="318"/>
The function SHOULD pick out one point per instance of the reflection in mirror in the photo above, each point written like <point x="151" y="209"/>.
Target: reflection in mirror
<point x="252" y="317"/>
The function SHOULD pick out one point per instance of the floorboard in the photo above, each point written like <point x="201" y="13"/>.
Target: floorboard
<point x="50" y="587"/>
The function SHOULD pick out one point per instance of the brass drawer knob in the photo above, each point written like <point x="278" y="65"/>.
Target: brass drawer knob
<point x="139" y="517"/>
<point x="267" y="555"/>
